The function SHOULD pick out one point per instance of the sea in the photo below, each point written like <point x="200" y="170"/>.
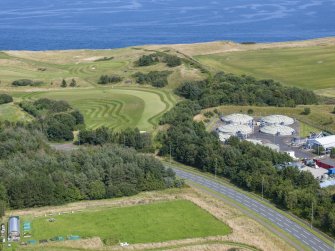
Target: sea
<point x="103" y="24"/>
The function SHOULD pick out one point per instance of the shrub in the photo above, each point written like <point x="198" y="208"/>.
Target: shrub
<point x="250" y="111"/>
<point x="147" y="60"/>
<point x="26" y="82"/>
<point x="5" y="98"/>
<point x="154" y="78"/>
<point x="172" y="61"/>
<point x="105" y="79"/>
<point x="63" y="84"/>
<point x="306" y="111"/>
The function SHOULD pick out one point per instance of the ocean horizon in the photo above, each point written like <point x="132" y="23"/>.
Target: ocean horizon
<point x="103" y="24"/>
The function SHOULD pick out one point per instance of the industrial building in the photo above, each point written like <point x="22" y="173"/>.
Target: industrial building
<point x="14" y="228"/>
<point x="234" y="129"/>
<point x="278" y="130"/>
<point x="237" y="119"/>
<point x="326" y="142"/>
<point x="277" y="120"/>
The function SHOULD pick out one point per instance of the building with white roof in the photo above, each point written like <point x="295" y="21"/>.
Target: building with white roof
<point x="234" y="129"/>
<point x="325" y="142"/>
<point x="237" y="119"/>
<point x="279" y="130"/>
<point x="277" y="120"/>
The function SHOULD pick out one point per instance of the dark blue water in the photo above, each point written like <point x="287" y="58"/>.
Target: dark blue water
<point x="76" y="24"/>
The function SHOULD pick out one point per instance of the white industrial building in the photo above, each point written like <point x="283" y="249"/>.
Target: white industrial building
<point x="278" y="130"/>
<point x="277" y="120"/>
<point x="237" y="119"/>
<point x="223" y="137"/>
<point x="325" y="142"/>
<point x="235" y="129"/>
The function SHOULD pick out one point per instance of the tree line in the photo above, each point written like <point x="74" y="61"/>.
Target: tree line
<point x="229" y="89"/>
<point x="33" y="174"/>
<point x="128" y="137"/>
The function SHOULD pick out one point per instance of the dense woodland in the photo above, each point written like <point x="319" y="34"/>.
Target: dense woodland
<point x="229" y="89"/>
<point x="33" y="174"/>
<point x="128" y="137"/>
<point x="244" y="163"/>
<point x="57" y="119"/>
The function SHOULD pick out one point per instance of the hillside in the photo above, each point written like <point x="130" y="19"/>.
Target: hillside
<point x="306" y="64"/>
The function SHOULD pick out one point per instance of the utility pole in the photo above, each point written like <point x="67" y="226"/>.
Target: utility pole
<point x="170" y="153"/>
<point x="262" y="188"/>
<point x="312" y="217"/>
<point x="216" y="163"/>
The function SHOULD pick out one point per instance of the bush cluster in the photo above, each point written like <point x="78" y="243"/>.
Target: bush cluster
<point x="57" y="118"/>
<point x="109" y="79"/>
<point x="154" y="78"/>
<point x="26" y="82"/>
<point x="5" y="98"/>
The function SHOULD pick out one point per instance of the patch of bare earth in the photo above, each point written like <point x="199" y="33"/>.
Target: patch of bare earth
<point x="198" y="118"/>
<point x="89" y="244"/>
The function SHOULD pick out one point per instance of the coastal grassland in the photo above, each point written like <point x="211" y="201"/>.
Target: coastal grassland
<point x="320" y="118"/>
<point x="306" y="67"/>
<point x="118" y="107"/>
<point x="86" y="66"/>
<point x="156" y="222"/>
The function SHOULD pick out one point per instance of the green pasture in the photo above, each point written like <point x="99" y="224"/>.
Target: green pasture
<point x="156" y="222"/>
<point x="308" y="67"/>
<point x="116" y="108"/>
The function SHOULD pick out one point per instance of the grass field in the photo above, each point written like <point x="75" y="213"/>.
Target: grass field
<point x="307" y="67"/>
<point x="117" y="108"/>
<point x="156" y="222"/>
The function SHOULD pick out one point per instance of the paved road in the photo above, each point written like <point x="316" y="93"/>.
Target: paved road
<point x="287" y="225"/>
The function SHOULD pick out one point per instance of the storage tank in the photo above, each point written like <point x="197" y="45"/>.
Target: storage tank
<point x="14" y="228"/>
